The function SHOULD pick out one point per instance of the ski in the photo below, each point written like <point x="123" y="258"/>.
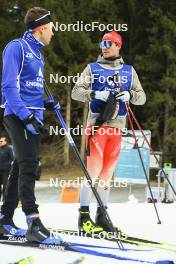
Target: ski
<point x="79" y="248"/>
<point x="127" y="239"/>
<point x="22" y="238"/>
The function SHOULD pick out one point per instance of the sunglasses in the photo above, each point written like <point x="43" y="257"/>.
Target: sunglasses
<point x="105" y="44"/>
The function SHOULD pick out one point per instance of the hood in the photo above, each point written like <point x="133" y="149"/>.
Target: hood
<point x="115" y="63"/>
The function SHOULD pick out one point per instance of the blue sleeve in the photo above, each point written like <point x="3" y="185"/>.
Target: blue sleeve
<point x="12" y="60"/>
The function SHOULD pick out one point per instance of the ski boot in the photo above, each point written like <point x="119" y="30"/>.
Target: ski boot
<point x="101" y="221"/>
<point x="37" y="232"/>
<point x="7" y="227"/>
<point x="85" y="224"/>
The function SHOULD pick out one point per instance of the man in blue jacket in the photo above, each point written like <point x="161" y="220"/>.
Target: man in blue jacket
<point x="23" y="99"/>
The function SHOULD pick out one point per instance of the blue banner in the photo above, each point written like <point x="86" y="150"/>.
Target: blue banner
<point x="129" y="165"/>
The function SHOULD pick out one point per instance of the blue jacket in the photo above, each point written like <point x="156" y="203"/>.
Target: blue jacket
<point x="22" y="77"/>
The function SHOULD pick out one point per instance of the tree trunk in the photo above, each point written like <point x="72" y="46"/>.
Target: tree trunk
<point x="166" y="118"/>
<point x="67" y="120"/>
<point x="165" y="134"/>
<point x="83" y="136"/>
<point x="131" y="32"/>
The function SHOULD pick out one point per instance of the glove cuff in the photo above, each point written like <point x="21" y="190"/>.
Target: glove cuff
<point x="29" y="119"/>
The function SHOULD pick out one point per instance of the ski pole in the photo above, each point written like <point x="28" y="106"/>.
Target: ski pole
<point x="151" y="150"/>
<point x="140" y="156"/>
<point x="88" y="177"/>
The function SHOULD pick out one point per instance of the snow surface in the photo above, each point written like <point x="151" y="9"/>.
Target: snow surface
<point x="136" y="219"/>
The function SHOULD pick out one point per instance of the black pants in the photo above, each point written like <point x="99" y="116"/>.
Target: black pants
<point x="3" y="181"/>
<point x="21" y="182"/>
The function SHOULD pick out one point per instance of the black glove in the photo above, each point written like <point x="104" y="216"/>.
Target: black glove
<point x="51" y="105"/>
<point x="33" y="124"/>
<point x="114" y="83"/>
